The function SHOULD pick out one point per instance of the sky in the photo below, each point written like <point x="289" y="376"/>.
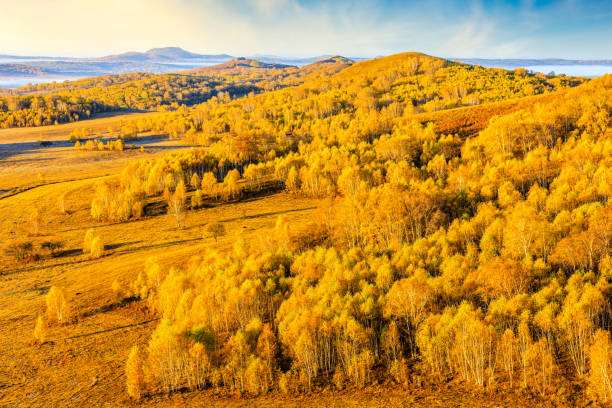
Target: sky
<point x="579" y="29"/>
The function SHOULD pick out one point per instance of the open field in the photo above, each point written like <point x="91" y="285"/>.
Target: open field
<point x="25" y="163"/>
<point x="99" y="123"/>
<point x="98" y="341"/>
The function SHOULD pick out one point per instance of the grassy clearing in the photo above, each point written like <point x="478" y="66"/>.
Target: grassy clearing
<point x="104" y="331"/>
<point x="25" y="163"/>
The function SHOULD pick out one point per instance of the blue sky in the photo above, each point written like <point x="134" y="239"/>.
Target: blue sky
<point x="470" y="28"/>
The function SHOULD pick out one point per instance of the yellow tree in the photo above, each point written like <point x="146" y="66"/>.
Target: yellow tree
<point x="176" y="206"/>
<point x="40" y="330"/>
<point x="508" y="353"/>
<point x="208" y="183"/>
<point x="408" y="299"/>
<point x="600" y="367"/>
<point x="97" y="247"/>
<point x="195" y="181"/>
<point x="134" y="374"/>
<point x="89" y="236"/>
<point x="231" y="188"/>
<point x="57" y="305"/>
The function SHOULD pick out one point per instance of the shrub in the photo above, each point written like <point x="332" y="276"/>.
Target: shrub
<point x="215" y="230"/>
<point x="89" y="236"/>
<point x="52" y="246"/>
<point x="20" y="250"/>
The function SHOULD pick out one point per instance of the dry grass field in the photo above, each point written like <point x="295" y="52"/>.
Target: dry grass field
<point x="82" y="363"/>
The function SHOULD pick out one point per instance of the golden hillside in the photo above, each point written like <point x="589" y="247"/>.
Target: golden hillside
<point x="399" y="230"/>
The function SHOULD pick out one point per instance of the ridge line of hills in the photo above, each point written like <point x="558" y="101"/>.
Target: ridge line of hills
<point x="175" y="59"/>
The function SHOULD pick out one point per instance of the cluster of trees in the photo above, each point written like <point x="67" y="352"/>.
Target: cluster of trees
<point x="487" y="259"/>
<point x="305" y="97"/>
<point x="102" y="81"/>
<point x="62" y="103"/>
<point x="116" y="203"/>
<point x="98" y="145"/>
<point x="92" y="244"/>
<point x="58" y="311"/>
<point x="362" y="101"/>
<point x="180" y="179"/>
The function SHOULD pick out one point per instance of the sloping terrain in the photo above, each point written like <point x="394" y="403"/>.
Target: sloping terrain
<point x="401" y="231"/>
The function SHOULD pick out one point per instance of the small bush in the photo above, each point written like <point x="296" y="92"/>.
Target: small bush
<point x="89" y="236"/>
<point x="21" y="250"/>
<point x="52" y="246"/>
<point x="118" y="291"/>
<point x="215" y="230"/>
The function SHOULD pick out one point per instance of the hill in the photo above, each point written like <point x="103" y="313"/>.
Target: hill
<point x="401" y="230"/>
<point x="239" y="66"/>
<point x="167" y="54"/>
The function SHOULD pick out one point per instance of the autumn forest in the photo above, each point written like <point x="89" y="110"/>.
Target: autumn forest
<point x="260" y="232"/>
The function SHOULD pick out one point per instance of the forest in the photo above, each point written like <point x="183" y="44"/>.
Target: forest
<point x="484" y="258"/>
<point x="430" y="84"/>
<point x="70" y="101"/>
<point x="462" y="234"/>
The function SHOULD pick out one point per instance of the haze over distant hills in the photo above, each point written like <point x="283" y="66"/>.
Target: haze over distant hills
<point x="156" y="60"/>
<point x="572" y="67"/>
<point x="522" y="62"/>
<point x="17" y="71"/>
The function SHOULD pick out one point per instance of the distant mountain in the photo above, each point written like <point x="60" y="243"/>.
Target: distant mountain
<point x="299" y="61"/>
<point x="163" y="55"/>
<point x="282" y="74"/>
<point x="242" y="62"/>
<point x="240" y="66"/>
<point x="19" y="69"/>
<point x="29" y="58"/>
<point x="22" y="70"/>
<point x="327" y="66"/>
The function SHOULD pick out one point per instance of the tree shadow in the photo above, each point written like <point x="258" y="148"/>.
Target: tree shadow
<point x="155" y="246"/>
<point x="68" y="252"/>
<point x="119" y="245"/>
<point x="110" y="307"/>
<point x="111" y="330"/>
<point x="268" y="214"/>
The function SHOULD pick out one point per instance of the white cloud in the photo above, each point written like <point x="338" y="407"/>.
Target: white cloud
<point x="290" y="27"/>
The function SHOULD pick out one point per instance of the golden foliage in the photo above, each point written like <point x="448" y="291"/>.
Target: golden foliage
<point x="134" y="374"/>
<point x="58" y="307"/>
<point x="40" y="330"/>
